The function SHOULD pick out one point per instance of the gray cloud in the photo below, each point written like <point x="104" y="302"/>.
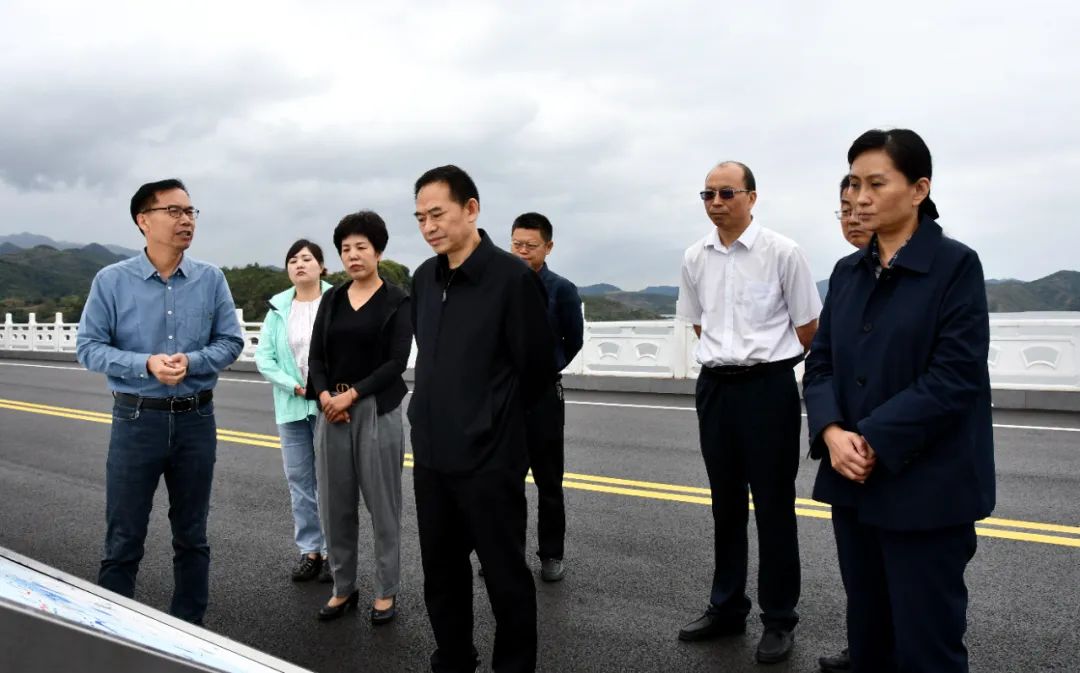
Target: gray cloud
<point x="606" y="119"/>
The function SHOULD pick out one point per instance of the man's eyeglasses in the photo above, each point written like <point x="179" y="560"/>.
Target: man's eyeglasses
<point x="176" y="211"/>
<point x="843" y="214"/>
<point x="726" y="193"/>
<point x="523" y="245"/>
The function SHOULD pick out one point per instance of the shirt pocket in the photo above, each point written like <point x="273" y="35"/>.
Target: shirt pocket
<point x="761" y="301"/>
<point x="193" y="332"/>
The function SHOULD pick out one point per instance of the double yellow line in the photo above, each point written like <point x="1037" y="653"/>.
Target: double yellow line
<point x="1010" y="529"/>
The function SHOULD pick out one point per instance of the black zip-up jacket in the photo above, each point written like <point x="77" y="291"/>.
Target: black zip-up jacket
<point x="395" y="343"/>
<point x="484" y="355"/>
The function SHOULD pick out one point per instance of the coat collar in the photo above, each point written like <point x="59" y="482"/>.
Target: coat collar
<point x="919" y="251"/>
<point x="473" y="267"/>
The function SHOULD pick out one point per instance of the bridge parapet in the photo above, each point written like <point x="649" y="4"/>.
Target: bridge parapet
<point x="1028" y="351"/>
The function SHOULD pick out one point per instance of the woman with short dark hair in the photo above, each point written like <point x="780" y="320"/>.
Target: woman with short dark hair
<point x="898" y="399"/>
<point x="359" y="350"/>
<point x="282" y="358"/>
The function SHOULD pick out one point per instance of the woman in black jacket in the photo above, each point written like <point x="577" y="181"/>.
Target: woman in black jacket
<point x="898" y="404"/>
<point x="359" y="349"/>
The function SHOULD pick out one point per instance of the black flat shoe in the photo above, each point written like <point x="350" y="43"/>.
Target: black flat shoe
<point x="326" y="613"/>
<point x="379" y="617"/>
<point x="838" y="663"/>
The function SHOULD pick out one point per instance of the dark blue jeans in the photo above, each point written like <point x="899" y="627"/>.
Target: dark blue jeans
<point x="146" y="444"/>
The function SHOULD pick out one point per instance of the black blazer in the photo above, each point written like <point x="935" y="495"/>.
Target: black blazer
<point x="902" y="360"/>
<point x="395" y="343"/>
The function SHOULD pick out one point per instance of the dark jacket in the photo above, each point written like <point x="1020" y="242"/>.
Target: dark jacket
<point x="484" y="355"/>
<point x="564" y="315"/>
<point x="395" y="343"/>
<point x="902" y="360"/>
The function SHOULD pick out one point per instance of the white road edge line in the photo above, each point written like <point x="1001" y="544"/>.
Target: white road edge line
<point x="620" y="405"/>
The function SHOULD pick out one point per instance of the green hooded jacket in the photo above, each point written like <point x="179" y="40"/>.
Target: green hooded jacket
<point x="277" y="364"/>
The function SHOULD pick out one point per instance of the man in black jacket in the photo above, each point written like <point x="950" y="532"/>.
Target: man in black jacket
<point x="483" y="357"/>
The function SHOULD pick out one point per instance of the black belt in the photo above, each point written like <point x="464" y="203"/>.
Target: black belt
<point x="732" y="372"/>
<point x="175" y="405"/>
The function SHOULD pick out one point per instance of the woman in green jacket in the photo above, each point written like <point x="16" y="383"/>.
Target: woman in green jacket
<point x="282" y="358"/>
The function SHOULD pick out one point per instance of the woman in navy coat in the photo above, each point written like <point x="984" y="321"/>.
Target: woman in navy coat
<point x="898" y="403"/>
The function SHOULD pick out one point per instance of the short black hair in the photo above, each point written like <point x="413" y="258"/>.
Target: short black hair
<point x="146" y="196"/>
<point x="844" y="184"/>
<point x="909" y="154"/>
<point x="748" y="175"/>
<point x="366" y="223"/>
<point x="535" y="222"/>
<point x="299" y="245"/>
<point x="462" y="187"/>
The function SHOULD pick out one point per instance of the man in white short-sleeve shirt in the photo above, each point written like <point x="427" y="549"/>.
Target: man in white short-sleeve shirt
<point x="749" y="293"/>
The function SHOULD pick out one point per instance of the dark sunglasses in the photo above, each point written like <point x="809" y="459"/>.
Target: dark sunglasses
<point x="726" y="193"/>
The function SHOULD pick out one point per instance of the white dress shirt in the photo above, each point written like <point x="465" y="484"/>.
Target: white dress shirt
<point x="748" y="298"/>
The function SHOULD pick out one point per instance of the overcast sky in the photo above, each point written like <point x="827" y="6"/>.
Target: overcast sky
<point x="281" y="117"/>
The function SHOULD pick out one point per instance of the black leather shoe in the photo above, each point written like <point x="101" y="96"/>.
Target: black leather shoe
<point x="839" y="663"/>
<point x="775" y="645"/>
<point x="710" y="626"/>
<point x="326" y="613"/>
<point x="552" y="569"/>
<point x="307" y="569"/>
<point x="379" y="617"/>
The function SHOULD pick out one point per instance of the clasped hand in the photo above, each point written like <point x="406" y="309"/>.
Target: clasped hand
<point x="336" y="408"/>
<point x="169" y="369"/>
<point x="850" y="453"/>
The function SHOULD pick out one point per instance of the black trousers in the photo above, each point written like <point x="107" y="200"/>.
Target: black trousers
<point x="749" y="426"/>
<point x="544" y="425"/>
<point x="456" y="514"/>
<point x="907" y="601"/>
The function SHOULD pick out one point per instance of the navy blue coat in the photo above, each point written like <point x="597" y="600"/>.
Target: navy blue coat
<point x="901" y="360"/>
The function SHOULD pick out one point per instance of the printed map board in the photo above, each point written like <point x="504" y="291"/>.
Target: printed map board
<point x="28" y="587"/>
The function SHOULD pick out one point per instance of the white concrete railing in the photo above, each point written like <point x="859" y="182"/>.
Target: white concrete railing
<point x="1037" y="351"/>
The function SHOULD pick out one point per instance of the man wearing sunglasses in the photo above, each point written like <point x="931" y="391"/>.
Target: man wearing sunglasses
<point x="160" y="326"/>
<point x="749" y="294"/>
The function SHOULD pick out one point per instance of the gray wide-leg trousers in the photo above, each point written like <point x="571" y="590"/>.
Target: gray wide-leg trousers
<point x="362" y="457"/>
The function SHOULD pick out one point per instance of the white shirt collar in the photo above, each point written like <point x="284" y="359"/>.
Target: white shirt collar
<point x="747" y="238"/>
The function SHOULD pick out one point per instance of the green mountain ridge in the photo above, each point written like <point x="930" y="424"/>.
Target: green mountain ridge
<point x="46" y="280"/>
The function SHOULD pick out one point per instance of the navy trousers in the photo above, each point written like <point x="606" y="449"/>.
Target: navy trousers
<point x="907" y="601"/>
<point x="144" y="446"/>
<point x="544" y="426"/>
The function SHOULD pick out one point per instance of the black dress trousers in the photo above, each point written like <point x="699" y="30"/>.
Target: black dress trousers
<point x="749" y="425"/>
<point x="484" y="510"/>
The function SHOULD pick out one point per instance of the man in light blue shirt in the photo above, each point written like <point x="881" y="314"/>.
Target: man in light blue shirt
<point x="160" y="326"/>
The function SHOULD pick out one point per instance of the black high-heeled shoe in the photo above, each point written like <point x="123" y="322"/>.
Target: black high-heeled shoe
<point x="379" y="617"/>
<point x="326" y="612"/>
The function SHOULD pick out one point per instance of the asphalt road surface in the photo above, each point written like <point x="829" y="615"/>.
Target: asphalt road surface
<point x="638" y="547"/>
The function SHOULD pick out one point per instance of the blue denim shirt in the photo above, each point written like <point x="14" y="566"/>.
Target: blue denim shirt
<point x="564" y="315"/>
<point x="132" y="313"/>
